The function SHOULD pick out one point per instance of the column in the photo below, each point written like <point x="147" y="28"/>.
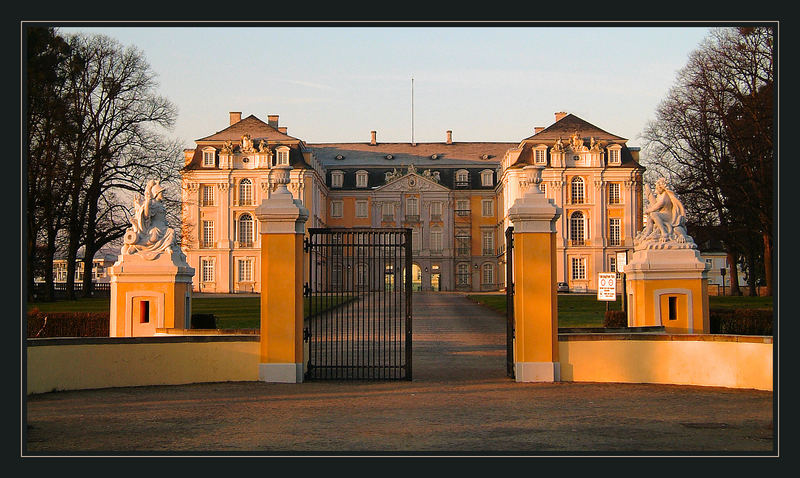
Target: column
<point x="535" y="295"/>
<point x="282" y="220"/>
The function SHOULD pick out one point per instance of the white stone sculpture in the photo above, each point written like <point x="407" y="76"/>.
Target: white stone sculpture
<point x="149" y="235"/>
<point x="665" y="227"/>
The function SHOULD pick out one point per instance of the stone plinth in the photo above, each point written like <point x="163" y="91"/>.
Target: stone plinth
<point x="668" y="286"/>
<point x="150" y="294"/>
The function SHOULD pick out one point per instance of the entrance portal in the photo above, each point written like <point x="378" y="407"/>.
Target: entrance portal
<point x="416" y="278"/>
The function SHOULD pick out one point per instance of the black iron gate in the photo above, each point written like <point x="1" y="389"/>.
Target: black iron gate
<point x="510" y="301"/>
<point x="358" y="322"/>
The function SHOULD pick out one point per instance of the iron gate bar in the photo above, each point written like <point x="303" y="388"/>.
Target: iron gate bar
<point x="510" y="301"/>
<point x="367" y="334"/>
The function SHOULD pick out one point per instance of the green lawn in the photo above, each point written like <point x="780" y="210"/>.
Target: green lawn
<point x="584" y="310"/>
<point x="574" y="310"/>
<point x="231" y="312"/>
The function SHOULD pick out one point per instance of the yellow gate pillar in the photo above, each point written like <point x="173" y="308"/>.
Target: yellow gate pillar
<point x="282" y="220"/>
<point x="535" y="295"/>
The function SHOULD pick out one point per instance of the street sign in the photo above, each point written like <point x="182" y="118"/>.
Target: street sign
<point x="607" y="286"/>
<point x="622" y="261"/>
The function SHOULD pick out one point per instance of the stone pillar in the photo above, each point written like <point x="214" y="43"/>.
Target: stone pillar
<point x="282" y="220"/>
<point x="535" y="294"/>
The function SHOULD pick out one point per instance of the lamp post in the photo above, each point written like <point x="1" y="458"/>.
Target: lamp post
<point x="723" y="271"/>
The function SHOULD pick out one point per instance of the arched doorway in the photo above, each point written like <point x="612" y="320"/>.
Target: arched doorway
<point x="416" y="277"/>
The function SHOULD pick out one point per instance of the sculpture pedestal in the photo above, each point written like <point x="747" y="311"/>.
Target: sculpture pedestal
<point x="150" y="294"/>
<point x="668" y="287"/>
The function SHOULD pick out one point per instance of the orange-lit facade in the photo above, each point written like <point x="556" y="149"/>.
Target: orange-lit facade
<point x="454" y="196"/>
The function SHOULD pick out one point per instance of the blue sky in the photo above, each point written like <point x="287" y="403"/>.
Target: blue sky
<point x="336" y="84"/>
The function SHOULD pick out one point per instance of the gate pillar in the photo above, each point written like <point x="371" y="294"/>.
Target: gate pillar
<point x="282" y="220"/>
<point x="535" y="296"/>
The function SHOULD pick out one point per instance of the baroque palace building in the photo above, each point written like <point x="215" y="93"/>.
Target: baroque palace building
<point x="454" y="196"/>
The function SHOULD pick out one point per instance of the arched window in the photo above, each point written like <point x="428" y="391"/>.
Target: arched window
<point x="245" y="230"/>
<point x="245" y="192"/>
<point x="577" y="190"/>
<point x="577" y="228"/>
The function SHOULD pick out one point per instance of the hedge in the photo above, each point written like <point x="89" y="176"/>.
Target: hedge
<point x="741" y="321"/>
<point x="615" y="319"/>
<point x="204" y="321"/>
<point x="68" y="324"/>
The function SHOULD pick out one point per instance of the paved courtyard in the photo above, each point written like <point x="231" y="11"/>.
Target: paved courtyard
<point x="460" y="402"/>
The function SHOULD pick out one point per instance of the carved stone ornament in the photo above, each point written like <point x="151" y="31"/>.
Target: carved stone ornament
<point x="262" y="147"/>
<point x="247" y="143"/>
<point x="576" y="142"/>
<point x="148" y="236"/>
<point x="223" y="186"/>
<point x="666" y="221"/>
<point x="227" y="147"/>
<point x="558" y="147"/>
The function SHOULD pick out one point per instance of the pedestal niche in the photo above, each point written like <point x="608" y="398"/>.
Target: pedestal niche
<point x="151" y="282"/>
<point x="666" y="279"/>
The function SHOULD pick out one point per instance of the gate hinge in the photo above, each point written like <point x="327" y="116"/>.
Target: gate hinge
<point x="306" y="290"/>
<point x="306" y="334"/>
<point x="306" y="244"/>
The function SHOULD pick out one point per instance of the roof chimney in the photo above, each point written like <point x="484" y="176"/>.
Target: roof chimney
<point x="373" y="141"/>
<point x="560" y="115"/>
<point x="272" y="120"/>
<point x="539" y="129"/>
<point x="449" y="137"/>
<point x="282" y="129"/>
<point x="236" y="116"/>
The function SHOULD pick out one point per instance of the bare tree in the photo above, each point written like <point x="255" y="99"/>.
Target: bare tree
<point x="712" y="137"/>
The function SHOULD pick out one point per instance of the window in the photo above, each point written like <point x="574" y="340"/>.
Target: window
<point x="245" y="192"/>
<point x="208" y="270"/>
<point x="576" y="228"/>
<point x="462" y="243"/>
<point x="614" y="232"/>
<point x="612" y="264"/>
<point x="245" y="270"/>
<point x="208" y="158"/>
<point x="361" y="208"/>
<point x="387" y="211"/>
<point x="488" y="274"/>
<point x="487" y="240"/>
<point x="436" y="211"/>
<point x="462" y="207"/>
<point x="613" y="156"/>
<point x="336" y="208"/>
<point x="361" y="179"/>
<point x="208" y="195"/>
<point x="613" y="193"/>
<point x="208" y="234"/>
<point x="245" y="230"/>
<point x="60" y="272"/>
<point x="283" y="156"/>
<point x="416" y="243"/>
<point x="412" y="209"/>
<point x="462" y="178"/>
<point x="361" y="274"/>
<point x="337" y="178"/>
<point x="578" y="268"/>
<point x="436" y="240"/>
<point x="539" y="156"/>
<point x="486" y="178"/>
<point x="487" y="207"/>
<point x="462" y="274"/>
<point x="673" y="307"/>
<point x="577" y="190"/>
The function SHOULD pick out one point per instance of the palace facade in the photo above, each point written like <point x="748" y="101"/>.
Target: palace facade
<point x="454" y="196"/>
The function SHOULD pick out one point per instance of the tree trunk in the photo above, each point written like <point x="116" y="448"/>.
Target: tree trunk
<point x="88" y="259"/>
<point x="768" y="262"/>
<point x="733" y="273"/>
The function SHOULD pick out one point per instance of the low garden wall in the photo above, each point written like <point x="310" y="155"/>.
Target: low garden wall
<point x="85" y="363"/>
<point x="734" y="361"/>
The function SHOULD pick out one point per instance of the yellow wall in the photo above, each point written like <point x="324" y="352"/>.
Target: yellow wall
<point x="643" y="308"/>
<point x="137" y="362"/>
<point x="282" y="317"/>
<point x="735" y="361"/>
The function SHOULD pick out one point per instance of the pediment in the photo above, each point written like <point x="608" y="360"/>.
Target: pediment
<point x="412" y="182"/>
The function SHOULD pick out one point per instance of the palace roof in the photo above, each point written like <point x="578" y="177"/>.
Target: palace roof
<point x="253" y="126"/>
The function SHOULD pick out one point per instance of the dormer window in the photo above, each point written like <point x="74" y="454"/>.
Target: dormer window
<point x="486" y="178"/>
<point x="361" y="179"/>
<point x="282" y="156"/>
<point x="208" y="157"/>
<point x="540" y="155"/>
<point x="337" y="178"/>
<point x="614" y="154"/>
<point x="462" y="178"/>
